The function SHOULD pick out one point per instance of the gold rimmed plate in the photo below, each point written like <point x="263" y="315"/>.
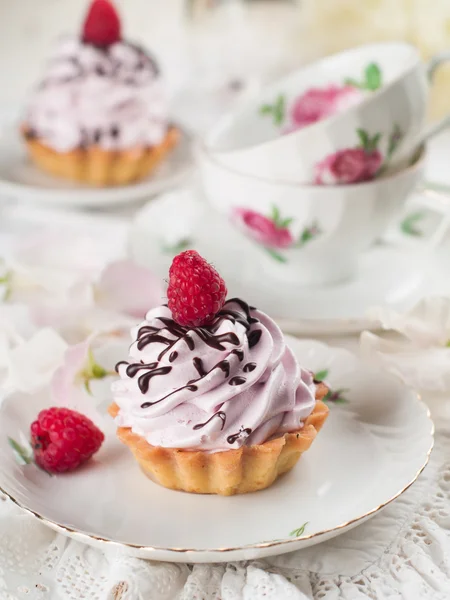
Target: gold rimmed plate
<point x="375" y="444"/>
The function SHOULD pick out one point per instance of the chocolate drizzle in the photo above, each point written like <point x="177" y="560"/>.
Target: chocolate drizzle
<point x="121" y="362"/>
<point x="245" y="308"/>
<point x="207" y="334"/>
<point x="190" y="387"/>
<point x="254" y="337"/>
<point x="150" y="334"/>
<point x="231" y="439"/>
<point x="151" y="337"/>
<point x="239" y="354"/>
<point x="222" y="416"/>
<point x="111" y="67"/>
<point x="198" y="364"/>
<point x="237" y="380"/>
<point x="224" y="366"/>
<point x="189" y="342"/>
<point x="134" y="368"/>
<point x="144" y="380"/>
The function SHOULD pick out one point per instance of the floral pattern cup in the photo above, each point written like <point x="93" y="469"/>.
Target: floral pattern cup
<point x="312" y="234"/>
<point x="318" y="103"/>
<point x="307" y="128"/>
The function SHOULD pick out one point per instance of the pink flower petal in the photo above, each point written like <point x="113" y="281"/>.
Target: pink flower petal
<point x="64" y="379"/>
<point x="127" y="287"/>
<point x="68" y="388"/>
<point x="80" y="400"/>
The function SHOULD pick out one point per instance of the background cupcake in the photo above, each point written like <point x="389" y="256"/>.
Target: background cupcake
<point x="100" y="114"/>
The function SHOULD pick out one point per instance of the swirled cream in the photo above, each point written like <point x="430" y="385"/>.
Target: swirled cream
<point x="112" y="97"/>
<point x="234" y="382"/>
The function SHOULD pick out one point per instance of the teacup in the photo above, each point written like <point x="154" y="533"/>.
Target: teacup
<point x="306" y="233"/>
<point x="379" y="94"/>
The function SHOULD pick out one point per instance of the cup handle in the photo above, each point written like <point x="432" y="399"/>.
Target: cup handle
<point x="435" y="62"/>
<point x="432" y="66"/>
<point x="435" y="198"/>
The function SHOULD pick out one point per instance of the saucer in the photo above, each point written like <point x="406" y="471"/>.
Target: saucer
<point x="394" y="274"/>
<point x="22" y="180"/>
<point x="373" y="446"/>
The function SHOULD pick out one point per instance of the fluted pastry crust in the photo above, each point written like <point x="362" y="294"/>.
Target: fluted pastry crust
<point x="247" y="469"/>
<point x="99" y="167"/>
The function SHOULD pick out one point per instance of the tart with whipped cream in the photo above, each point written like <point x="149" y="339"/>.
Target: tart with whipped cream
<point x="211" y="398"/>
<point x="100" y="114"/>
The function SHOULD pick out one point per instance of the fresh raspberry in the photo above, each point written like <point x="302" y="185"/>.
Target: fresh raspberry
<point x="63" y="439"/>
<point x="102" y="25"/>
<point x="196" y="291"/>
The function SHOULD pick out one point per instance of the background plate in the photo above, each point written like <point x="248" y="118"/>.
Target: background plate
<point x="20" y="179"/>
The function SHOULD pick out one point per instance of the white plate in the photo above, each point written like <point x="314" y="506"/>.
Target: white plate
<point x="371" y="449"/>
<point x="20" y="179"/>
<point x="396" y="274"/>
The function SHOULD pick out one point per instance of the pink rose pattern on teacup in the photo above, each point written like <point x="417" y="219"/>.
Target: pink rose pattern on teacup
<point x="269" y="232"/>
<point x="355" y="165"/>
<point x="272" y="232"/>
<point x="319" y="103"/>
<point x="351" y="165"/>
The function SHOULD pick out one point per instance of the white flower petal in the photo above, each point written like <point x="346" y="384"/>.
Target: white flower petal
<point x="64" y="252"/>
<point x="420" y="368"/>
<point x="33" y="363"/>
<point x="16" y="322"/>
<point x="427" y="324"/>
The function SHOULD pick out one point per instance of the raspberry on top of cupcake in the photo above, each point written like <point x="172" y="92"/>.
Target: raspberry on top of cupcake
<point x="213" y="378"/>
<point x="98" y="91"/>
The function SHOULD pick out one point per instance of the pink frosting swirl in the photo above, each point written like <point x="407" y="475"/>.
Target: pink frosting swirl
<point x="111" y="97"/>
<point x="233" y="383"/>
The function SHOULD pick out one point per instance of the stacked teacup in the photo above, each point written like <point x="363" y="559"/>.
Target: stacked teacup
<point x="315" y="169"/>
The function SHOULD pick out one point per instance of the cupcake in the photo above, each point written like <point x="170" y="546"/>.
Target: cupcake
<point x="99" y="115"/>
<point x="211" y="399"/>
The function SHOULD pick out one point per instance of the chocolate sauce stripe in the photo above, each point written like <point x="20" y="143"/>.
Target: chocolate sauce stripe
<point x="243" y="432"/>
<point x="222" y="416"/>
<point x="150" y="334"/>
<point x="144" y="380"/>
<point x="191" y="385"/>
